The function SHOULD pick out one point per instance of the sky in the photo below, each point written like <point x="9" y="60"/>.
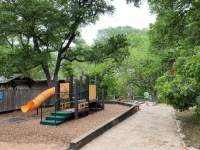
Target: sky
<point x="124" y="15"/>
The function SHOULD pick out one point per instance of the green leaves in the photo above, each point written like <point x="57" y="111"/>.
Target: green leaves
<point x="19" y="61"/>
<point x="179" y="91"/>
<point x="114" y="47"/>
<point x="175" y="37"/>
<point x="43" y="27"/>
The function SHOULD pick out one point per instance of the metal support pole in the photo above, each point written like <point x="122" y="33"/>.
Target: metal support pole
<point x="102" y="94"/>
<point x="57" y="89"/>
<point x="71" y="89"/>
<point x="75" y="100"/>
<point x="41" y="112"/>
<point x="87" y="86"/>
<point x="96" y="103"/>
<point x="81" y="87"/>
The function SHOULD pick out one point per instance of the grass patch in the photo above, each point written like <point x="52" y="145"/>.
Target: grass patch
<point x="190" y="125"/>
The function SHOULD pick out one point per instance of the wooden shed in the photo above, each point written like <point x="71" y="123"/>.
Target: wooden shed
<point x="18" y="90"/>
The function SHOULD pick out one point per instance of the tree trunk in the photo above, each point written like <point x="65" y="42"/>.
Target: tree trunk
<point x="154" y="96"/>
<point x="59" y="57"/>
<point x="57" y="67"/>
<point x="45" y="68"/>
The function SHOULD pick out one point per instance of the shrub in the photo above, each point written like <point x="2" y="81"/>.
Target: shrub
<point x="178" y="91"/>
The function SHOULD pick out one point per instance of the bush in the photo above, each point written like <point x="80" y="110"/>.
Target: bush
<point x="197" y="110"/>
<point x="178" y="91"/>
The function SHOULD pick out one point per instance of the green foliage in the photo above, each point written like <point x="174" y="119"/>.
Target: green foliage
<point x="141" y="69"/>
<point x="126" y="64"/>
<point x="44" y="27"/>
<point x="111" y="57"/>
<point x="110" y="83"/>
<point x="197" y="110"/>
<point x="179" y="91"/>
<point x="114" y="47"/>
<point x="192" y="67"/>
<point x="175" y="37"/>
<point x="11" y="63"/>
<point x="111" y="48"/>
<point x="176" y="25"/>
<point x="109" y="52"/>
<point x="136" y="71"/>
<point x="36" y="37"/>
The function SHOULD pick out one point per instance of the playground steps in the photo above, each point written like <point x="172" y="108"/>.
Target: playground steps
<point x="50" y="122"/>
<point x="60" y="117"/>
<point x="57" y="118"/>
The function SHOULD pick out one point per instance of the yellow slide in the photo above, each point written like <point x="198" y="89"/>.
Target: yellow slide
<point x="44" y="96"/>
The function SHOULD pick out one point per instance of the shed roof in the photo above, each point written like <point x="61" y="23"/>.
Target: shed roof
<point x="4" y="80"/>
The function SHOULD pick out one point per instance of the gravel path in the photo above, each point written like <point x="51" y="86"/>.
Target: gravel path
<point x="19" y="131"/>
<point x="152" y="128"/>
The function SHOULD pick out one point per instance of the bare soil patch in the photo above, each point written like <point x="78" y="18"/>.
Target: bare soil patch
<point x="190" y="127"/>
<point x="20" y="128"/>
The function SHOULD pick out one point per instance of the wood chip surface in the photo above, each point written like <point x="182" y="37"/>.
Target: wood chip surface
<point x="27" y="128"/>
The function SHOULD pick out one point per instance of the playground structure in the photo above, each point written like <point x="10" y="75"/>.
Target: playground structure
<point x="72" y="99"/>
<point x="44" y="96"/>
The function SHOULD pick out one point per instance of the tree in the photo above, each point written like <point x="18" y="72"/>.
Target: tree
<point x="175" y="37"/>
<point x="42" y="27"/>
<point x="113" y="47"/>
<point x="102" y="59"/>
<point x="138" y="70"/>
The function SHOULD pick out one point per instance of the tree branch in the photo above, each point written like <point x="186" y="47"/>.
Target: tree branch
<point x="9" y="43"/>
<point x="69" y="38"/>
<point x="75" y="59"/>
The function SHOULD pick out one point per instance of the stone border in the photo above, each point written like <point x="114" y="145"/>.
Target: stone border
<point x="92" y="134"/>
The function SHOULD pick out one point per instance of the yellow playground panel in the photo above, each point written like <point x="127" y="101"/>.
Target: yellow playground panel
<point x="64" y="93"/>
<point x="92" y="92"/>
<point x="65" y="105"/>
<point x="83" y="105"/>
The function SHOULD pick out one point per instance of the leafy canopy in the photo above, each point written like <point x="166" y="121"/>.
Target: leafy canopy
<point x="46" y="26"/>
<point x="175" y="37"/>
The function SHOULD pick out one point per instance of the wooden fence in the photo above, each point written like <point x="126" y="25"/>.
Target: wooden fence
<point x="14" y="98"/>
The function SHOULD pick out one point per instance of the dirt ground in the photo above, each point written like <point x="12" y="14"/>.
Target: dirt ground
<point x="152" y="128"/>
<point x="23" y="131"/>
<point x="190" y="127"/>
